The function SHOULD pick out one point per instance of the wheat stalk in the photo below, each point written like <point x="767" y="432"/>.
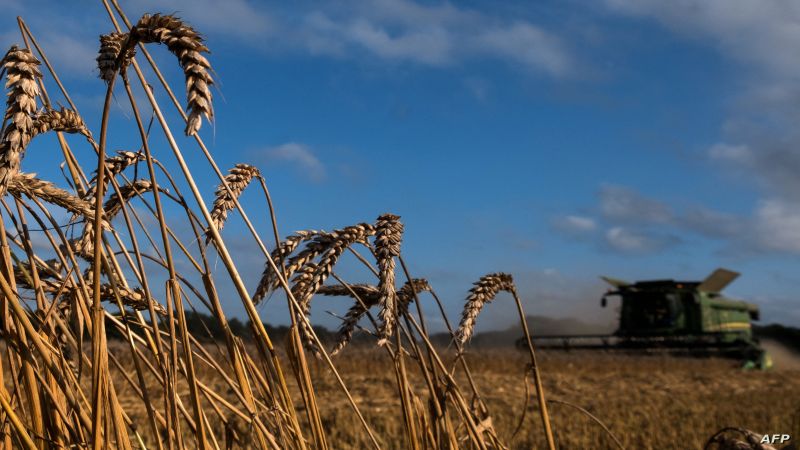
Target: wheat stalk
<point x="388" y="234"/>
<point x="237" y="179"/>
<point x="483" y="291"/>
<point x="22" y="73"/>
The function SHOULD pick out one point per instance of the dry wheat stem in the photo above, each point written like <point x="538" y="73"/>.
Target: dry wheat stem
<point x="483" y="291"/>
<point x="388" y="234"/>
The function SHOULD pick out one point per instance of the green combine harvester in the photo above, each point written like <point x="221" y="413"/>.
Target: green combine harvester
<point x="688" y="317"/>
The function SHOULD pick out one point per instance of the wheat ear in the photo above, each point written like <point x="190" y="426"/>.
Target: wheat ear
<point x="483" y="291"/>
<point x="370" y="296"/>
<point x="22" y="73"/>
<point x="110" y="47"/>
<point x="317" y="243"/>
<point x="126" y="192"/>
<point x="50" y="270"/>
<point x="284" y="249"/>
<point x="64" y="120"/>
<point x="84" y="245"/>
<point x="237" y="179"/>
<point x="28" y="184"/>
<point x="388" y="234"/>
<point x="114" y="166"/>
<point x="339" y="241"/>
<point x="363" y="291"/>
<point x="183" y="41"/>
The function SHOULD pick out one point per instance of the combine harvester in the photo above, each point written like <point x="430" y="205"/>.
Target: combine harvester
<point x="685" y="317"/>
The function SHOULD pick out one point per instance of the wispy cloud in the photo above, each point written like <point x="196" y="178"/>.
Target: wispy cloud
<point x="75" y="56"/>
<point x="760" y="140"/>
<point x="628" y="222"/>
<point x="300" y="156"/>
<point x="434" y="35"/>
<point x="623" y="204"/>
<point x="625" y="240"/>
<point x="240" y="18"/>
<point x="777" y="226"/>
<point x="574" y="225"/>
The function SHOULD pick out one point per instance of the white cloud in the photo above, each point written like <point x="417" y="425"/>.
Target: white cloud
<point x="233" y="17"/>
<point x="625" y="240"/>
<point x="778" y="226"/>
<point x="752" y="31"/>
<point x="301" y="156"/>
<point x="737" y="154"/>
<point x="432" y="35"/>
<point x="575" y="224"/>
<point x="624" y="204"/>
<point x="529" y="45"/>
<point x="429" y="46"/>
<point x="70" y="55"/>
<point x="712" y="223"/>
<point x="761" y="37"/>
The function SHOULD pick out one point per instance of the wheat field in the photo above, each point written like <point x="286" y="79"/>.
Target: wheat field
<point x="128" y="244"/>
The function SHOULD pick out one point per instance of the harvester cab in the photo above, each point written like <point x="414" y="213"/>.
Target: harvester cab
<point x="690" y="315"/>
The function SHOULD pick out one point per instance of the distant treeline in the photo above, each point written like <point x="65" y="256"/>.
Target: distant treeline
<point x="204" y="327"/>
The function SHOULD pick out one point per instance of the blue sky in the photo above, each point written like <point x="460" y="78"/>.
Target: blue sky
<point x="557" y="141"/>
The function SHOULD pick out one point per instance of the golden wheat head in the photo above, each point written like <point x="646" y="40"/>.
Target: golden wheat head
<point x="388" y="235"/>
<point x="483" y="291"/>
<point x="237" y="179"/>
<point x="22" y="75"/>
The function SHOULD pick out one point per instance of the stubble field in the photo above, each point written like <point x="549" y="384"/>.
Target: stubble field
<point x="647" y="401"/>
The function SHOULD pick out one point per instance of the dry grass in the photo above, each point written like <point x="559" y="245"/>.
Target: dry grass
<point x="142" y="258"/>
<point x="648" y="402"/>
